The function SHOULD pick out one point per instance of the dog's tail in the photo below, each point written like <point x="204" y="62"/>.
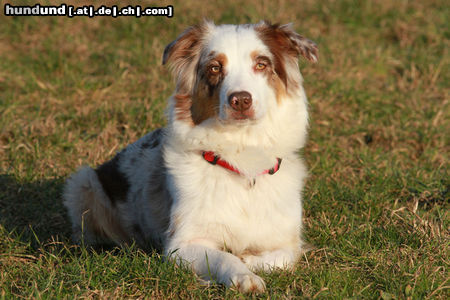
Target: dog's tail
<point x="94" y="219"/>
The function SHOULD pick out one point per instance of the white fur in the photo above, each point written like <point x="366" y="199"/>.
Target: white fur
<point x="208" y="216"/>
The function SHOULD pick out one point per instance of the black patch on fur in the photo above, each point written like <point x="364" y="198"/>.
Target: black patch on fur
<point x="153" y="141"/>
<point x="157" y="189"/>
<point x="114" y="182"/>
<point x="138" y="231"/>
<point x="157" y="177"/>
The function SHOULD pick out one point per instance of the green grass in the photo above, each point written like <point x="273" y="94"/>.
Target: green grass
<point x="74" y="91"/>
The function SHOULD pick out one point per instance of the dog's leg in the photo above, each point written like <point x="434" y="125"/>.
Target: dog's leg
<point x="221" y="266"/>
<point x="270" y="260"/>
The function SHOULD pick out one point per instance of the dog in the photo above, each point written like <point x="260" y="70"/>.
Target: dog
<point x="219" y="188"/>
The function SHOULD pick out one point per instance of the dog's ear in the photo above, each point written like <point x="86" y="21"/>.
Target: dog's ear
<point x="183" y="53"/>
<point x="184" y="46"/>
<point x="307" y="48"/>
<point x="284" y="38"/>
<point x="181" y="48"/>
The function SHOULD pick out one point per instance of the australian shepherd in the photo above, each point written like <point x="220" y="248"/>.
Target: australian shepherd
<point x="219" y="188"/>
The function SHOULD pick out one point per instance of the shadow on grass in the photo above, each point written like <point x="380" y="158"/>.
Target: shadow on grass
<point x="33" y="210"/>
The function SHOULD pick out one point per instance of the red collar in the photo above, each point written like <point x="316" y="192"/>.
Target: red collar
<point x="213" y="159"/>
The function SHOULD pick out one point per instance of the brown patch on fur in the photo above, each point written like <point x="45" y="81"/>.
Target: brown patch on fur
<point x="253" y="288"/>
<point x="205" y="102"/>
<point x="183" y="103"/>
<point x="279" y="46"/>
<point x="90" y="221"/>
<point x="102" y="221"/>
<point x="183" y="47"/>
<point x="201" y="104"/>
<point x="286" y="45"/>
<point x="114" y="183"/>
<point x="222" y="59"/>
<point x="287" y="40"/>
<point x="272" y="77"/>
<point x="279" y="87"/>
<point x="202" y="109"/>
<point x="250" y="251"/>
<point x="183" y="54"/>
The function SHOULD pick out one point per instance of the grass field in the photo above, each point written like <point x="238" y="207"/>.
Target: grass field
<point x="74" y="91"/>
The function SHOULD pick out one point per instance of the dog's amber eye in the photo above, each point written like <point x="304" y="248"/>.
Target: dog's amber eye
<point x="215" y="69"/>
<point x="260" y="66"/>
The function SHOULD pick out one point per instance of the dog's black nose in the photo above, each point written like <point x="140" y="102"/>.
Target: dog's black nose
<point x="240" y="101"/>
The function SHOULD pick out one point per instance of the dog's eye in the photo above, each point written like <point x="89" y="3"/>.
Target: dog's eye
<point x="260" y="66"/>
<point x="214" y="69"/>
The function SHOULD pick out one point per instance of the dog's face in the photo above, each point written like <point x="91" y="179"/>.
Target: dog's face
<point x="235" y="73"/>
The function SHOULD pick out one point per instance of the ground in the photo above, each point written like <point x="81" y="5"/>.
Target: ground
<point x="73" y="91"/>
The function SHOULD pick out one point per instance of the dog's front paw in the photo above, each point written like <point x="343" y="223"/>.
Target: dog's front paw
<point x="269" y="260"/>
<point x="248" y="283"/>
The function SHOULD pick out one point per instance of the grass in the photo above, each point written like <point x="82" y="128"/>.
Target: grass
<point x="74" y="91"/>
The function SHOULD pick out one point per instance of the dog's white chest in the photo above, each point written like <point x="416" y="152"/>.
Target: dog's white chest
<point x="221" y="206"/>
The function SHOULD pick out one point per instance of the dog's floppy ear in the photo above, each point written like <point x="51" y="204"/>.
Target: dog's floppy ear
<point x="181" y="48"/>
<point x="284" y="38"/>
<point x="307" y="48"/>
<point x="183" y="53"/>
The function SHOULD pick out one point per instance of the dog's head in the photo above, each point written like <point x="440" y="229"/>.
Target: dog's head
<point x="235" y="73"/>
